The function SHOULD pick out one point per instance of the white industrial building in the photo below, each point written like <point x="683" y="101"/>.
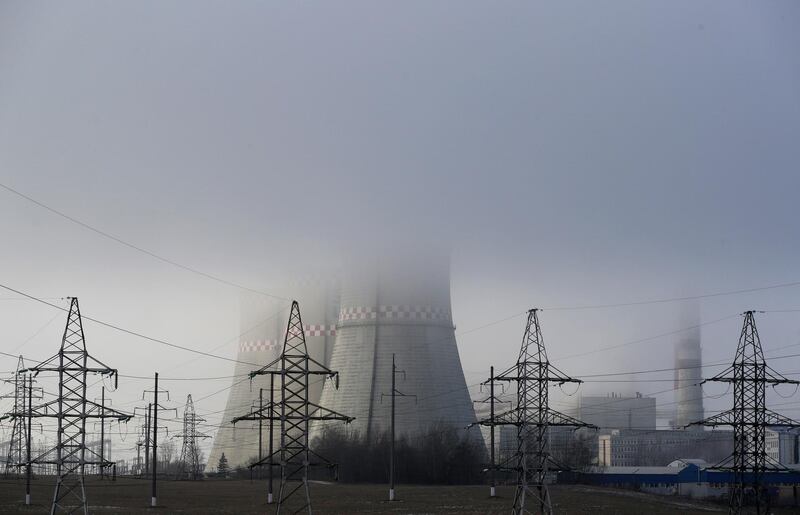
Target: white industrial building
<point x="628" y="448"/>
<point x="782" y="445"/>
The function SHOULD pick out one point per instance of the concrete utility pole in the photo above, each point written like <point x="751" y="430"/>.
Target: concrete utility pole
<point x="147" y="440"/>
<point x="260" y="425"/>
<point x="492" y="492"/>
<point x="491" y="423"/>
<point x="28" y="471"/>
<point x="271" y="436"/>
<point x="394" y="394"/>
<point x="102" y="432"/>
<point x="296" y="413"/>
<point x="391" y="452"/>
<point x="153" y="496"/>
<point x="749" y="418"/>
<point x="153" y="409"/>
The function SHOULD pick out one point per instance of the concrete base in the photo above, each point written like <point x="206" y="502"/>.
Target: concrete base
<point x="269" y="498"/>
<point x="492" y="492"/>
<point x="28" y="499"/>
<point x="153" y="502"/>
<point x="391" y="494"/>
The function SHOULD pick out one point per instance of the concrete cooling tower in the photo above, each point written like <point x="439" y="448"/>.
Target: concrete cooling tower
<point x="263" y="327"/>
<point x="397" y="306"/>
<point x="689" y="375"/>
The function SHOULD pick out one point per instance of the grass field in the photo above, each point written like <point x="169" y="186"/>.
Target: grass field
<point x="244" y="497"/>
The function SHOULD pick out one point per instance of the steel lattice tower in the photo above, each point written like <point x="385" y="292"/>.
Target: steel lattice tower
<point x="533" y="416"/>
<point x="295" y="412"/>
<point x="72" y="409"/>
<point x="749" y="418"/>
<point x="190" y="454"/>
<point x="17" y="444"/>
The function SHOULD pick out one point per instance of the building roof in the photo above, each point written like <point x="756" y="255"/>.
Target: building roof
<point x="682" y="462"/>
<point x="635" y="470"/>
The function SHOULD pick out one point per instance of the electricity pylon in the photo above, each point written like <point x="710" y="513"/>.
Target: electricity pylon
<point x="295" y="412"/>
<point x="533" y="417"/>
<point x="71" y="409"/>
<point x="18" y="441"/>
<point x="189" y="464"/>
<point x="749" y="418"/>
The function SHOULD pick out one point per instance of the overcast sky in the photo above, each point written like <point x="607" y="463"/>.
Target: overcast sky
<point x="568" y="153"/>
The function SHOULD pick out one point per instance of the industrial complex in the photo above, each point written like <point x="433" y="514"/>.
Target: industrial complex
<point x="355" y="322"/>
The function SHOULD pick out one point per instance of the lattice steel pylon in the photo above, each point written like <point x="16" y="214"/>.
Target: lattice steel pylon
<point x="533" y="417"/>
<point x="15" y="458"/>
<point x="749" y="418"/>
<point x="71" y="409"/>
<point x="295" y="412"/>
<point x="190" y="454"/>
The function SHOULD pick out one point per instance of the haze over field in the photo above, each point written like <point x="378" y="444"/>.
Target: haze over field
<point x="568" y="153"/>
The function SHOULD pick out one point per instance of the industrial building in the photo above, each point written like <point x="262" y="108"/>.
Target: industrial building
<point x="783" y="445"/>
<point x="629" y="448"/>
<point x="685" y="477"/>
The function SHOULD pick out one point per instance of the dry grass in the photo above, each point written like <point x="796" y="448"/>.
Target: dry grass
<point x="131" y="496"/>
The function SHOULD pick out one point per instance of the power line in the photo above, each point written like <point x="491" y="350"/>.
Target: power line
<point x="649" y="338"/>
<point x="672" y="299"/>
<point x="127" y="331"/>
<point x="136" y="247"/>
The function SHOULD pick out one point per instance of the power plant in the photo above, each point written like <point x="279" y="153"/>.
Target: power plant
<point x="354" y="322"/>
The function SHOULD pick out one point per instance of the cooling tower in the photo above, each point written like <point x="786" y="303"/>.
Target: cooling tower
<point x="689" y="374"/>
<point x="397" y="306"/>
<point x="263" y="327"/>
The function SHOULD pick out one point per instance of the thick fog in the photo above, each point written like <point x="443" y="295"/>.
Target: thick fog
<point x="567" y="154"/>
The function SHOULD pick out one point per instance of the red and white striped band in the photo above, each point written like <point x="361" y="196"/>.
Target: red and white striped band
<point x="394" y="312"/>
<point x="264" y="345"/>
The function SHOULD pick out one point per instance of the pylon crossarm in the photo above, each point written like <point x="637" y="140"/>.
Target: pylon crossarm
<point x="257" y="414"/>
<point x="774" y="377"/>
<point x="267" y="369"/>
<point x="510" y="371"/>
<point x="773" y="466"/>
<point x="726" y="418"/>
<point x="507" y="418"/>
<point x="726" y="376"/>
<point x="317" y="412"/>
<point x="42" y="409"/>
<point x="777" y="420"/>
<point x="555" y="418"/>
<point x="322" y="368"/>
<point x="36" y="369"/>
<point x="725" y="465"/>
<point x="106" y="412"/>
<point x="558" y="376"/>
